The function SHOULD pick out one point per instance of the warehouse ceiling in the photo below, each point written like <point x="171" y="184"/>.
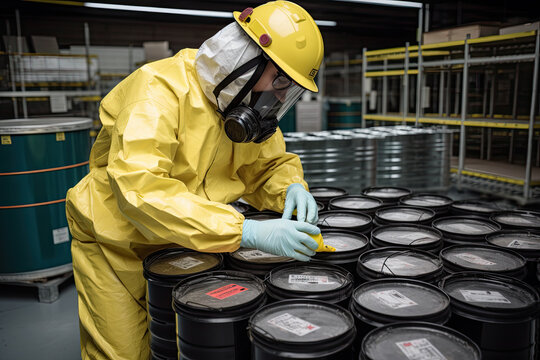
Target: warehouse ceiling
<point x="357" y="25"/>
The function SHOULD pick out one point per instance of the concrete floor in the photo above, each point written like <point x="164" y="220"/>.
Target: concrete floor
<point x="33" y="330"/>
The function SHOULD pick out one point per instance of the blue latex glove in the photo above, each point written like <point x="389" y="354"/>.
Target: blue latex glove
<point x="280" y="237"/>
<point x="304" y="203"/>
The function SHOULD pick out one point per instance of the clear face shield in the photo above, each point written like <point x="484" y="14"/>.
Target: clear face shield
<point x="272" y="94"/>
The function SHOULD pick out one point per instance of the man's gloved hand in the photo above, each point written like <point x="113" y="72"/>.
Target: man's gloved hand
<point x="280" y="237"/>
<point x="304" y="203"/>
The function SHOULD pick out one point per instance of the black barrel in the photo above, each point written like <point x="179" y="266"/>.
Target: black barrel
<point x="418" y="341"/>
<point x="366" y="204"/>
<point x="399" y="262"/>
<point x="262" y="215"/>
<point x="385" y="301"/>
<point x="473" y="207"/>
<point x="458" y="230"/>
<point x="212" y="313"/>
<point x="438" y="203"/>
<point x="526" y="243"/>
<point x="328" y="283"/>
<point x="388" y="194"/>
<point x="242" y="207"/>
<point x="413" y="236"/>
<point x="302" y="329"/>
<point x="324" y="194"/>
<point x="517" y="219"/>
<point x="345" y="220"/>
<point x="483" y="258"/>
<point x="349" y="245"/>
<point x="497" y="312"/>
<point x="162" y="270"/>
<point x="255" y="261"/>
<point x="404" y="215"/>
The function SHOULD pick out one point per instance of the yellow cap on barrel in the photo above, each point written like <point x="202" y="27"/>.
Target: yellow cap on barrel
<point x="322" y="247"/>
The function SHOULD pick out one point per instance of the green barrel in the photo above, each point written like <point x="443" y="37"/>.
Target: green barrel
<point x="344" y="115"/>
<point x="288" y="121"/>
<point x="41" y="159"/>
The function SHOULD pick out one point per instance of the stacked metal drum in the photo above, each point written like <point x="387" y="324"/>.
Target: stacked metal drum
<point x="383" y="156"/>
<point x="414" y="276"/>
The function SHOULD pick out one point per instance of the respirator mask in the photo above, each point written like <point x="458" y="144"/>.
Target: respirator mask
<point x="257" y="120"/>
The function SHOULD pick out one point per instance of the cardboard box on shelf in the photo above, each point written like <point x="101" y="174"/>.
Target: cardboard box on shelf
<point x="460" y="33"/>
<point x="520" y="28"/>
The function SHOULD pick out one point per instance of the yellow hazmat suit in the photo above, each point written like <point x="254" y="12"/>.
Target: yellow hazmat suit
<point x="161" y="171"/>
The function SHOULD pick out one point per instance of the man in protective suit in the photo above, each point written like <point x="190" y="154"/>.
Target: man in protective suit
<point x="182" y="138"/>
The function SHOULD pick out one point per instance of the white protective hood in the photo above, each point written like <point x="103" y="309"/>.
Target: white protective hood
<point x="220" y="55"/>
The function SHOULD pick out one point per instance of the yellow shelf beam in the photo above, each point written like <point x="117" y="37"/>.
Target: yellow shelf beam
<point x="480" y="40"/>
<point x="448" y="121"/>
<point x="390" y="73"/>
<point x="493" y="177"/>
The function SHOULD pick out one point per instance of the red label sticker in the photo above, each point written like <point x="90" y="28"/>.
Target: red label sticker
<point x="226" y="291"/>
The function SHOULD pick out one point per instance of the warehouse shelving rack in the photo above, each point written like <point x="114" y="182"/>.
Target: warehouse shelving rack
<point x="85" y="89"/>
<point x="442" y="62"/>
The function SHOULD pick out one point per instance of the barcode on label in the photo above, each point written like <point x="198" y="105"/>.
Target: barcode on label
<point x="185" y="262"/>
<point x="308" y="279"/>
<point x="393" y="299"/>
<point x="484" y="296"/>
<point x="256" y="254"/>
<point x="420" y="349"/>
<point x="293" y="324"/>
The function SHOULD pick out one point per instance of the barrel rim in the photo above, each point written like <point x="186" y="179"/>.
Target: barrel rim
<point x="532" y="252"/>
<point x="389" y="198"/>
<point x="421" y="324"/>
<point x="338" y="340"/>
<point x="471" y="217"/>
<point x="449" y="203"/>
<point x="351" y="196"/>
<point x="44" y="125"/>
<point x="431" y="212"/>
<point x="498" y="313"/>
<point x="426" y="246"/>
<point x="367" y="225"/>
<point x="498" y="213"/>
<point x="443" y="315"/>
<point x="342" y="254"/>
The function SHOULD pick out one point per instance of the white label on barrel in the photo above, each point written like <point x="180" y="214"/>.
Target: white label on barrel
<point x="420" y="349"/>
<point x="524" y="244"/>
<point x="60" y="235"/>
<point x="392" y="263"/>
<point x="293" y="324"/>
<point x="474" y="259"/>
<point x="484" y="296"/>
<point x="255" y="254"/>
<point x="393" y="299"/>
<point x="309" y="279"/>
<point x="185" y="263"/>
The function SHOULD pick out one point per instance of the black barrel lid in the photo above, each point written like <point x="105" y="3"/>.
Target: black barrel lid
<point x="301" y="321"/>
<point x="518" y="240"/>
<point x="418" y="341"/>
<point x="400" y="262"/>
<point x="475" y="206"/>
<point x="401" y="298"/>
<point x="356" y="202"/>
<point x="325" y="193"/>
<point x="387" y="193"/>
<point x="461" y="225"/>
<point x="405" y="214"/>
<point x="344" y="241"/>
<point x="262" y="215"/>
<point x="413" y="235"/>
<point x="426" y="200"/>
<point x="320" y="206"/>
<point x="309" y="278"/>
<point x="480" y="292"/>
<point x="174" y="262"/>
<point x="524" y="219"/>
<point x="259" y="257"/>
<point x="482" y="258"/>
<point x="343" y="219"/>
<point x="218" y="290"/>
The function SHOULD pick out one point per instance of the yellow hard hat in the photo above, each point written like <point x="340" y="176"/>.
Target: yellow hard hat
<point x="289" y="36"/>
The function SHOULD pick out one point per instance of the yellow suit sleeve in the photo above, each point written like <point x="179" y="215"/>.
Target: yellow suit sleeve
<point x="268" y="177"/>
<point x="144" y="142"/>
